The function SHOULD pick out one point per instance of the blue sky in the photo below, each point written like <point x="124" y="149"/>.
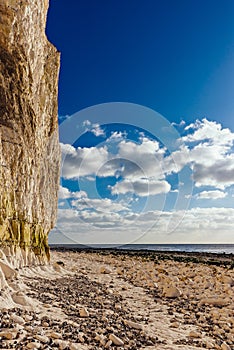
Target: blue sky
<point x="123" y="183"/>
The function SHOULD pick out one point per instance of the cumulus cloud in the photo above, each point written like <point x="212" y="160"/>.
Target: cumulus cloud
<point x="216" y="194"/>
<point x="65" y="193"/>
<point x="99" y="205"/>
<point x="198" y="225"/>
<point x="79" y="161"/>
<point x="141" y="187"/>
<point x="207" y="149"/>
<point x="209" y="130"/>
<point x="94" y="128"/>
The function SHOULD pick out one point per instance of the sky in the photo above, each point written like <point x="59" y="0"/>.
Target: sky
<point x="146" y="121"/>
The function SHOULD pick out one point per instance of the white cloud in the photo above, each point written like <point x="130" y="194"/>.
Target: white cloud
<point x="79" y="161"/>
<point x="198" y="225"/>
<point x="94" y="128"/>
<point x="97" y="130"/>
<point x="210" y="130"/>
<point x="99" y="204"/>
<point x="207" y="149"/>
<point x="216" y="194"/>
<point x="141" y="187"/>
<point x="65" y="193"/>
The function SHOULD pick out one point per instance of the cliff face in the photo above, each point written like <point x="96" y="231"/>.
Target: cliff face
<point x="29" y="147"/>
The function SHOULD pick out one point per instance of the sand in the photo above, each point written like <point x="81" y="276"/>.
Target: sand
<point x="104" y="300"/>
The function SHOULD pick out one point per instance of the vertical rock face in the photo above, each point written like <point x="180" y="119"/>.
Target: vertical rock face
<point x="29" y="147"/>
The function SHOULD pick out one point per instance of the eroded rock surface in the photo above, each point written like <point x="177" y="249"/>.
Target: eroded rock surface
<point x="29" y="147"/>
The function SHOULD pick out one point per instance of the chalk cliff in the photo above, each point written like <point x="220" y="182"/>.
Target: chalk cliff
<point x="29" y="146"/>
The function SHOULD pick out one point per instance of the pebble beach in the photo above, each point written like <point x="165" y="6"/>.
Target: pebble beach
<point x="108" y="300"/>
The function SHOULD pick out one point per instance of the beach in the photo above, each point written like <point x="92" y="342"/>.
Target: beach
<point x="120" y="300"/>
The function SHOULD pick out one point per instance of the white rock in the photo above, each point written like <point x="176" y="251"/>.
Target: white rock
<point x="225" y="346"/>
<point x="42" y="338"/>
<point x="17" y="319"/>
<point x="61" y="343"/>
<point x="133" y="325"/>
<point x="172" y="292"/>
<point x="194" y="334"/>
<point x="54" y="335"/>
<point x="116" y="340"/>
<point x="175" y="324"/>
<point x="81" y="338"/>
<point x="28" y="318"/>
<point x="75" y="346"/>
<point x="21" y="299"/>
<point x="33" y="345"/>
<point x="108" y="344"/>
<point x="8" y="334"/>
<point x="84" y="312"/>
<point x="8" y="272"/>
<point x="214" y="301"/>
<point x="105" y="269"/>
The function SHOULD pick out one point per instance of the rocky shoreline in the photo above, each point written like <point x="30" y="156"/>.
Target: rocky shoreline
<point x="116" y="300"/>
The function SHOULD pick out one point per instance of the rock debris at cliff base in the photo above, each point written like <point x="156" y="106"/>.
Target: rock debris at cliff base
<point x="102" y="301"/>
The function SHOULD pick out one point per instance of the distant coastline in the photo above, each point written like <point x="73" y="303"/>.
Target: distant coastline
<point x="184" y="248"/>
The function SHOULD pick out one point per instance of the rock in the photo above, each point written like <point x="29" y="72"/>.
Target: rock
<point x="105" y="269"/>
<point x="75" y="346"/>
<point x="54" y="335"/>
<point x="108" y="344"/>
<point x="194" y="334"/>
<point x="210" y="345"/>
<point x="172" y="292"/>
<point x="61" y="343"/>
<point x="214" y="301"/>
<point x="42" y="338"/>
<point x="17" y="319"/>
<point x="28" y="318"/>
<point x="29" y="146"/>
<point x="45" y="324"/>
<point x="81" y="337"/>
<point x="8" y="272"/>
<point x="225" y="346"/>
<point x="175" y="324"/>
<point x="8" y="334"/>
<point x="33" y="345"/>
<point x="21" y="299"/>
<point x="116" y="340"/>
<point x="84" y="312"/>
<point x="119" y="271"/>
<point x="133" y="325"/>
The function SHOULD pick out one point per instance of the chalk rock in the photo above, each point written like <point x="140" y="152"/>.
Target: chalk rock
<point x="29" y="146"/>
<point x="84" y="312"/>
<point x="33" y="345"/>
<point x="194" y="334"/>
<point x="42" y="338"/>
<point x="171" y="292"/>
<point x="116" y="340"/>
<point x="75" y="346"/>
<point x="54" y="335"/>
<point x="225" y="346"/>
<point x="175" y="324"/>
<point x="8" y="272"/>
<point x="62" y="344"/>
<point x="105" y="269"/>
<point x="8" y="334"/>
<point x="17" y="319"/>
<point x="22" y="299"/>
<point x="133" y="325"/>
<point x="214" y="301"/>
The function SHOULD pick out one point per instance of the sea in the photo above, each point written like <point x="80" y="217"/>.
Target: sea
<point x="197" y="248"/>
